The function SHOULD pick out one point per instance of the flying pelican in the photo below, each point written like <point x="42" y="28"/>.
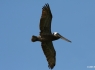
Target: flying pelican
<point x="46" y="36"/>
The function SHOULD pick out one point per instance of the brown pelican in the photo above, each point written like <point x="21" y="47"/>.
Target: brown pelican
<point x="46" y="36"/>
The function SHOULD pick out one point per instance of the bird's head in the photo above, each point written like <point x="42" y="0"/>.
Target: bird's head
<point x="56" y="34"/>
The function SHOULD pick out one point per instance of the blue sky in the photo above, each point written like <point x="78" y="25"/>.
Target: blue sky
<point x="19" y="20"/>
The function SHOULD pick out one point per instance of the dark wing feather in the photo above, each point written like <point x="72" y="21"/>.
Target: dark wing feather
<point x="50" y="53"/>
<point x="45" y="21"/>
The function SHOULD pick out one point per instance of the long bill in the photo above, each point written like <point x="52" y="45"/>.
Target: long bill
<point x="63" y="37"/>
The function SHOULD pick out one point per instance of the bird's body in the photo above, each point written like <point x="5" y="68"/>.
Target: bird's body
<point x="46" y="36"/>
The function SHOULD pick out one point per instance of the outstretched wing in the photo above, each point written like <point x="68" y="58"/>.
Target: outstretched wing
<point x="50" y="53"/>
<point x="45" y="21"/>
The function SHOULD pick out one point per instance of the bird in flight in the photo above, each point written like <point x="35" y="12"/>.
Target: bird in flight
<point x="46" y="36"/>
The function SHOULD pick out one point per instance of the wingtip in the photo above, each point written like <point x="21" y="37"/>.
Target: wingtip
<point x="46" y="5"/>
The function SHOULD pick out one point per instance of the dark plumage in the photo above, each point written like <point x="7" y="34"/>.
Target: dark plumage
<point x="46" y="37"/>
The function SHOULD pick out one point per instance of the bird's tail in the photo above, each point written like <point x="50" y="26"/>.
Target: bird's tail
<point x="34" y="38"/>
